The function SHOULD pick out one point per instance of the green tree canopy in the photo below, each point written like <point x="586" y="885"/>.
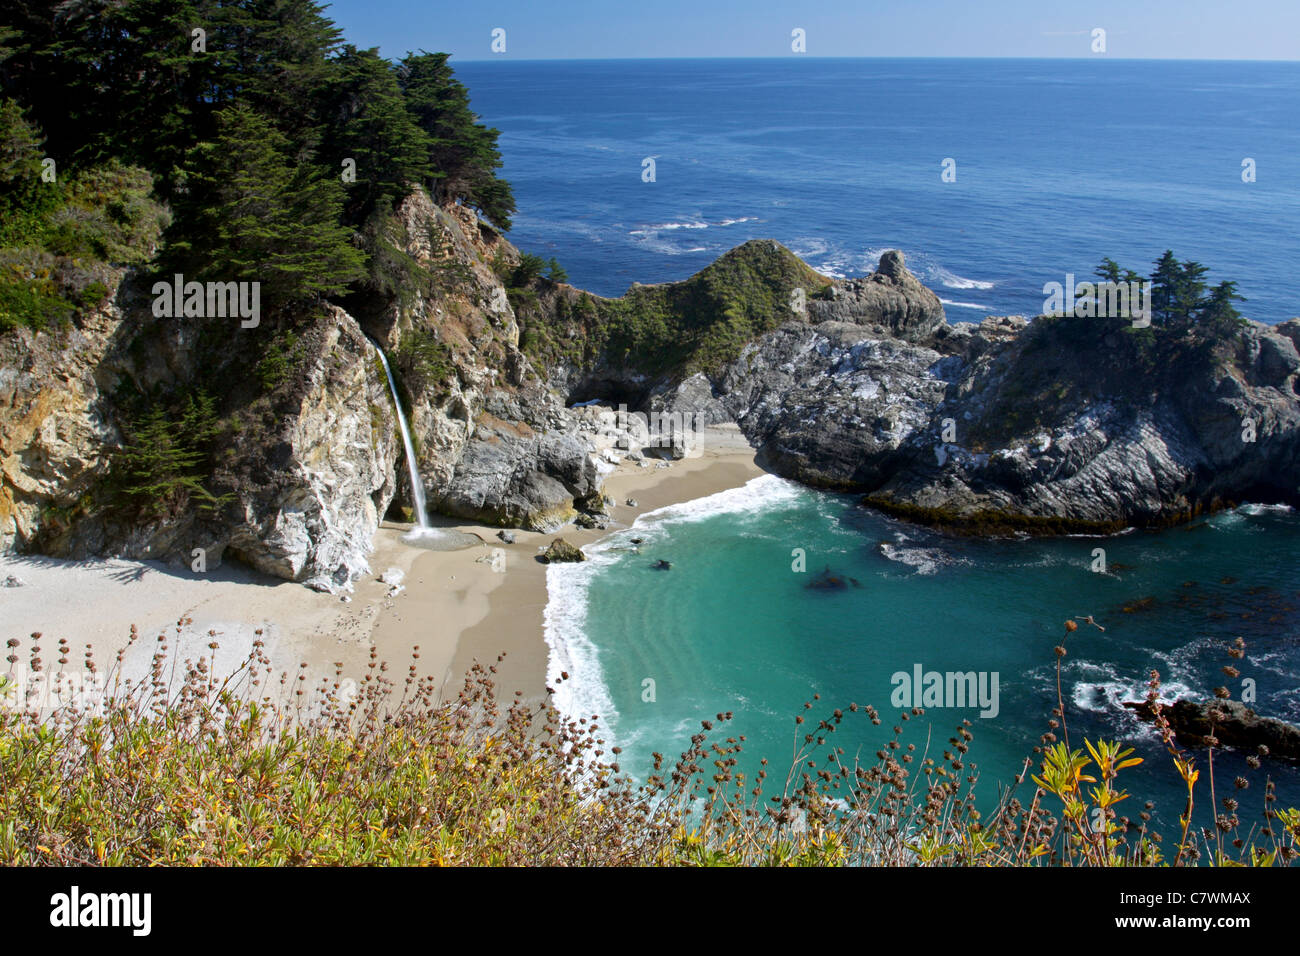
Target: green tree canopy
<point x="250" y="214"/>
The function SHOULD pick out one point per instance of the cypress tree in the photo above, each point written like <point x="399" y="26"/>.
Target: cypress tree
<point x="250" y="214"/>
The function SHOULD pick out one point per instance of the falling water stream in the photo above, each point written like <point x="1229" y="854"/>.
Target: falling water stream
<point x="417" y="486"/>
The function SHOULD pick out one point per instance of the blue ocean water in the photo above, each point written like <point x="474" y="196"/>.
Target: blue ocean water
<point x="734" y="626"/>
<point x="1058" y="162"/>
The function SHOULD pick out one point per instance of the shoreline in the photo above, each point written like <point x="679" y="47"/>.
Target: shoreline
<point x="502" y="611"/>
<point x="458" y="606"/>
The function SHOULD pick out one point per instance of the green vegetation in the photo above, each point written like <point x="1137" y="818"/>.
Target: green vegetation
<point x="1180" y="297"/>
<point x="277" y="361"/>
<point x="425" y="363"/>
<point x="556" y="272"/>
<point x="251" y="214"/>
<point x="281" y="151"/>
<point x="164" y="461"/>
<point x="700" y="323"/>
<point x="54" y="234"/>
<point x="191" y="767"/>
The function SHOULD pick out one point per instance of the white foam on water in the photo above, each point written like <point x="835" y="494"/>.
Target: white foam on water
<point x="966" y="305"/>
<point x="951" y="280"/>
<point x="571" y="650"/>
<point x="668" y="227"/>
<point x="1252" y="509"/>
<point x="921" y="560"/>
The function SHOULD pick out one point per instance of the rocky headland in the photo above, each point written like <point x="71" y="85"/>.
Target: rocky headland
<point x="1055" y="425"/>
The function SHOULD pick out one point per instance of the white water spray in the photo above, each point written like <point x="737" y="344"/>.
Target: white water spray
<point x="417" y="487"/>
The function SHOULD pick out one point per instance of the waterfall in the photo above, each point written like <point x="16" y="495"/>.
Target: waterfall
<point x="417" y="487"/>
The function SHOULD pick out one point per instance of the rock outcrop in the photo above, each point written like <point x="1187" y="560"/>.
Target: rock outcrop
<point x="856" y="384"/>
<point x="890" y="301"/>
<point x="1050" y="426"/>
<point x="308" y="468"/>
<point x="560" y="551"/>
<point x="1229" y="722"/>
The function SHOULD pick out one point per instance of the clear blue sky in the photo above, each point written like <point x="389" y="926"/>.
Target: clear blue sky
<point x="600" y="29"/>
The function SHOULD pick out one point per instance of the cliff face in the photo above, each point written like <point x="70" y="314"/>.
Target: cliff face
<point x="1052" y="426"/>
<point x="858" y="384"/>
<point x="308" y="466"/>
<point x="305" y="452"/>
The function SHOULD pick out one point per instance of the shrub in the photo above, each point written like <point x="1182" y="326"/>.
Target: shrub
<point x="164" y="462"/>
<point x="186" y="766"/>
<point x="426" y="364"/>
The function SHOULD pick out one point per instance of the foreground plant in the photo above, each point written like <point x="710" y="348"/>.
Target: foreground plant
<point x="183" y="768"/>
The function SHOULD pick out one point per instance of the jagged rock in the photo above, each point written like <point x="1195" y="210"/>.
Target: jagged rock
<point x="631" y="503"/>
<point x="559" y="551"/>
<point x="1011" y="427"/>
<point x="506" y="536"/>
<point x="510" y="474"/>
<point x="585" y="521"/>
<point x="13" y="581"/>
<point x="891" y="300"/>
<point x="1238" y="726"/>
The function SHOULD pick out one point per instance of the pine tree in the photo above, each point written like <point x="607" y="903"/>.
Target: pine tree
<point x="273" y="55"/>
<point x="366" y="121"/>
<point x="1189" y="292"/>
<point x="250" y="214"/>
<point x="1108" y="271"/>
<point x="163" y="463"/>
<point x="1216" y="313"/>
<point x="463" y="153"/>
<point x="1164" y="288"/>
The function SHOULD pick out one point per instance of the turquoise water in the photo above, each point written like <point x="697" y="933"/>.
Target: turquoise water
<point x="1059" y="164"/>
<point x="731" y="627"/>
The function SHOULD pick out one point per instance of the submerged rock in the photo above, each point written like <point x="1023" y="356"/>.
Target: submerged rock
<point x="662" y="565"/>
<point x="826" y="580"/>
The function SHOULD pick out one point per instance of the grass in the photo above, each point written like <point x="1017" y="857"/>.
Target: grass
<point x="182" y="767"/>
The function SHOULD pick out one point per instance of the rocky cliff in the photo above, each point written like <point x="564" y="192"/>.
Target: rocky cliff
<point x="859" y="384"/>
<point x="1052" y="426"/>
<point x="302" y="462"/>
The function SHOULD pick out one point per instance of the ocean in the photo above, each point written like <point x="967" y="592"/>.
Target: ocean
<point x="1058" y="163"/>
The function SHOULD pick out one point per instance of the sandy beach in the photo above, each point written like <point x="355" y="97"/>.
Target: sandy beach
<point x="457" y="607"/>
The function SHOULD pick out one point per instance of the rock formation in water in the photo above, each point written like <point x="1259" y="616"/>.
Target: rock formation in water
<point x="1229" y="722"/>
<point x="859" y="384"/>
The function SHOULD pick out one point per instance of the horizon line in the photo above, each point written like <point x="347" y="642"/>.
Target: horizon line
<point x="805" y="56"/>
